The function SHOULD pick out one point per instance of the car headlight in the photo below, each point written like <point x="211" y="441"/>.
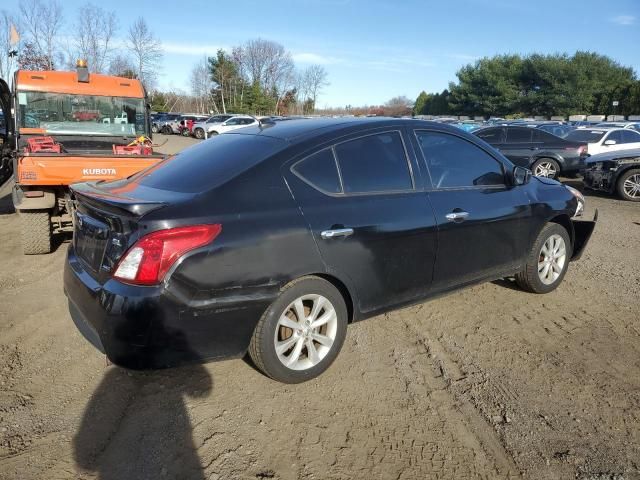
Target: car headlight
<point x="580" y="198"/>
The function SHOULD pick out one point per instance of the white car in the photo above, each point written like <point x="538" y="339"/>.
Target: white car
<point x="202" y="129"/>
<point x="601" y="140"/>
<point x="631" y="125"/>
<point x="239" y="121"/>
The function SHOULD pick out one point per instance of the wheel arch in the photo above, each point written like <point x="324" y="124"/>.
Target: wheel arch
<point x="344" y="291"/>
<point x="564" y="221"/>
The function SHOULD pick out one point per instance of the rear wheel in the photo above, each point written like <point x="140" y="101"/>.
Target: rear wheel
<point x="302" y="332"/>
<point x="36" y="232"/>
<point x="167" y="130"/>
<point x="546" y="167"/>
<point x="213" y="133"/>
<point x="628" y="185"/>
<point x="199" y="133"/>
<point x="548" y="260"/>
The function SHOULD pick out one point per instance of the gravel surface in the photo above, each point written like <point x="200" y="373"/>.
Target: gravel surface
<point x="489" y="382"/>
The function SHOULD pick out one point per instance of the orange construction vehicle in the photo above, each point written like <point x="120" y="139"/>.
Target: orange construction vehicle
<point x="71" y="127"/>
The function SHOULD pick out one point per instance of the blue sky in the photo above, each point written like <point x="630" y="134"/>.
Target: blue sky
<point x="373" y="49"/>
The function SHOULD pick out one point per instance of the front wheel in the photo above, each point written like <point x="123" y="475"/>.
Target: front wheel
<point x="36" y="232"/>
<point x="628" y="185"/>
<point x="302" y="332"/>
<point x="199" y="133"/>
<point x="547" y="261"/>
<point x="546" y="167"/>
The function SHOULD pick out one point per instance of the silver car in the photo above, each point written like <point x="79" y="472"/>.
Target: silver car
<point x="201" y="128"/>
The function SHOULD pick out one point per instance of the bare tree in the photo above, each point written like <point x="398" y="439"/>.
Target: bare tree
<point x="146" y="51"/>
<point x="42" y="22"/>
<point x="8" y="58"/>
<point x="122" y="66"/>
<point x="315" y="78"/>
<point x="398" y="106"/>
<point x="267" y="62"/>
<point x="201" y="85"/>
<point x="95" y="30"/>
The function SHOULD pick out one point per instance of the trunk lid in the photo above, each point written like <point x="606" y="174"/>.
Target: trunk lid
<point x="107" y="218"/>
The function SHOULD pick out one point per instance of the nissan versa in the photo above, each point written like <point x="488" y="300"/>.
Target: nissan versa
<point x="272" y="238"/>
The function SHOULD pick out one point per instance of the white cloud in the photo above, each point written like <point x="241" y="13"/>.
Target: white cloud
<point x="308" y="57"/>
<point x="191" y="49"/>
<point x="624" y="20"/>
<point x="464" y="57"/>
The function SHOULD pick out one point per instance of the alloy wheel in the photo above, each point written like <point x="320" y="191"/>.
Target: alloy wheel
<point x="545" y="169"/>
<point x="631" y="186"/>
<point x="552" y="259"/>
<point x="305" y="332"/>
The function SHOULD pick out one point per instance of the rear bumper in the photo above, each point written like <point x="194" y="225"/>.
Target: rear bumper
<point x="148" y="327"/>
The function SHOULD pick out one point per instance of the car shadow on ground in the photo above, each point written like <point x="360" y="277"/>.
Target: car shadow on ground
<point x="136" y="424"/>
<point x="509" y="283"/>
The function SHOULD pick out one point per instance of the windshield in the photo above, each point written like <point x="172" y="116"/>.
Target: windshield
<point x="586" y="135"/>
<point x="64" y="114"/>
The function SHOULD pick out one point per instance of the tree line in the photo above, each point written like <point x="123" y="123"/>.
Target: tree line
<point x="257" y="77"/>
<point x="531" y="85"/>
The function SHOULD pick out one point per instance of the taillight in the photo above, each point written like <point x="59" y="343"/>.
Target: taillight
<point x="151" y="257"/>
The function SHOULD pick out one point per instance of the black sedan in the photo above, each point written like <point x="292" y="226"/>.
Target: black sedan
<point x="271" y="239"/>
<point x="544" y="153"/>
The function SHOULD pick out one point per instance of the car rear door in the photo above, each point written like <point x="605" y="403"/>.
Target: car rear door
<point x="518" y="145"/>
<point x="373" y="225"/>
<point x="483" y="222"/>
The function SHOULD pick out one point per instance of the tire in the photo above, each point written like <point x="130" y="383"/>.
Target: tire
<point x="311" y="291"/>
<point x="36" y="232"/>
<point x="198" y="133"/>
<point x="546" y="167"/>
<point x="628" y="185"/>
<point x="532" y="278"/>
<point x="212" y="133"/>
<point x="185" y="132"/>
<point x="154" y="128"/>
<point x="167" y="130"/>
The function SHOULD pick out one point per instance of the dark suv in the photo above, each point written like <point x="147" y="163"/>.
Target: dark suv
<point x="273" y="238"/>
<point x="544" y="153"/>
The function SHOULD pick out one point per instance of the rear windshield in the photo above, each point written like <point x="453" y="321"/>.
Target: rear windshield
<point x="209" y="163"/>
<point x="586" y="135"/>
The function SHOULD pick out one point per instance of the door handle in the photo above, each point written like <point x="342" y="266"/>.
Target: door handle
<point x="339" y="232"/>
<point x="457" y="216"/>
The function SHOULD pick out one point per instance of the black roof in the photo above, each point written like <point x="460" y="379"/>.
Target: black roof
<point x="296" y="130"/>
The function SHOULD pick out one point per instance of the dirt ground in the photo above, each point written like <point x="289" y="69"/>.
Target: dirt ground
<point x="489" y="382"/>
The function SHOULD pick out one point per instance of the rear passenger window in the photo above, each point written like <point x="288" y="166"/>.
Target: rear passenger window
<point x="454" y="162"/>
<point x="375" y="163"/>
<point x="519" y="135"/>
<point x="491" y="135"/>
<point x="320" y="171"/>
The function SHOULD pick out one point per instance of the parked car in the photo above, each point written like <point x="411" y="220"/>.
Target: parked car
<point x="615" y="172"/>
<point x="558" y="130"/>
<point x="235" y="122"/>
<point x="545" y="154"/>
<point x="632" y="125"/>
<point x="600" y="140"/>
<point x="202" y="129"/>
<point x="162" y="124"/>
<point x="183" y="124"/>
<point x="287" y="233"/>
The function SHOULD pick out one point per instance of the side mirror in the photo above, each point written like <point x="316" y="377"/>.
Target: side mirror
<point x="521" y="175"/>
<point x="610" y="142"/>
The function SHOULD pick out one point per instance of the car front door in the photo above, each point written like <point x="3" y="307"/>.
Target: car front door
<point x="373" y="226"/>
<point x="483" y="221"/>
